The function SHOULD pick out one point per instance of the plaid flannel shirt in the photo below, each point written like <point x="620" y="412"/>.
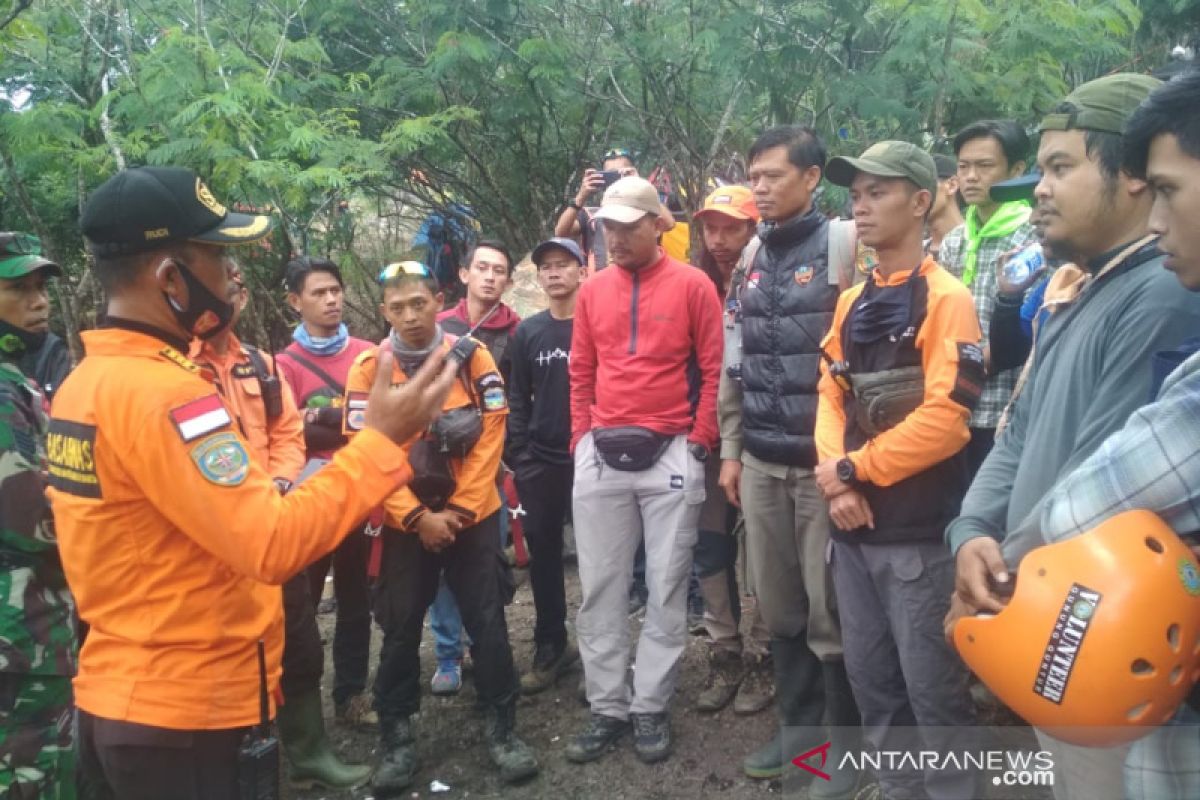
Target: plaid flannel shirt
<point x="953" y="257"/>
<point x="1152" y="463"/>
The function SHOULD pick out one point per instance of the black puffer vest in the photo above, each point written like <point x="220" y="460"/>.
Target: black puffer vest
<point x="787" y="306"/>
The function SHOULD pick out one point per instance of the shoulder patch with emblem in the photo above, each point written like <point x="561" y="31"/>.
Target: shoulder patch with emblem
<point x="356" y="411"/>
<point x="490" y="388"/>
<point x="71" y="453"/>
<point x="222" y="459"/>
<point x="199" y="417"/>
<point x="971" y="375"/>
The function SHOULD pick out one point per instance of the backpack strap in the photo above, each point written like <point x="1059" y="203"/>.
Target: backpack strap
<point x="843" y="254"/>
<point x="315" y="370"/>
<point x="737" y="280"/>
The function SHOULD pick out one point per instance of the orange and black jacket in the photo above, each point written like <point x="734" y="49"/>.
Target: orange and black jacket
<point x="475" y="497"/>
<point x="914" y="474"/>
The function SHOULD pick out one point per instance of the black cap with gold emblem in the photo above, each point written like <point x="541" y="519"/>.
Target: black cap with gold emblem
<point x="142" y="208"/>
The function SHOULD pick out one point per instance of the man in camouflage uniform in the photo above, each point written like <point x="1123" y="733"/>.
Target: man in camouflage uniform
<point x="37" y="639"/>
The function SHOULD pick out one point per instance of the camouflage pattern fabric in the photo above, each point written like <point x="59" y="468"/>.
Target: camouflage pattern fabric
<point x="37" y="640"/>
<point x="37" y="752"/>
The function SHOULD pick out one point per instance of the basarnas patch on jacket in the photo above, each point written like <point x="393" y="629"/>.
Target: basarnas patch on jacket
<point x="356" y="411"/>
<point x="494" y="399"/>
<point x="969" y="380"/>
<point x="752" y="279"/>
<point x="222" y="459"/>
<point x="71" y="452"/>
<point x="490" y="388"/>
<point x="804" y="274"/>
<point x="200" y="417"/>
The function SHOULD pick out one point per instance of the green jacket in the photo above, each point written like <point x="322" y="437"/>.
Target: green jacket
<point x="36" y="610"/>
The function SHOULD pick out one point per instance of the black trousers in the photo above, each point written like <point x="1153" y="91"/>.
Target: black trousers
<point x="545" y="491"/>
<point x="408" y="581"/>
<point x="352" y="630"/>
<point x="303" y="658"/>
<point x="127" y="761"/>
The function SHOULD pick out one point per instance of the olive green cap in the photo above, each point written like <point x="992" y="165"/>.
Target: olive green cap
<point x="1103" y="105"/>
<point x="890" y="159"/>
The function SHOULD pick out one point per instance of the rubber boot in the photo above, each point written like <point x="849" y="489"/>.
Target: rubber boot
<point x="302" y="731"/>
<point x="399" y="761"/>
<point x="841" y="714"/>
<point x="513" y="757"/>
<point x="799" y="701"/>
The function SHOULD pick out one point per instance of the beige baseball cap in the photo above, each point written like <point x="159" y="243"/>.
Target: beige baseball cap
<point x="628" y="200"/>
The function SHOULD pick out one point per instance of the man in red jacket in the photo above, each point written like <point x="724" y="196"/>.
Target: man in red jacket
<point x="645" y="362"/>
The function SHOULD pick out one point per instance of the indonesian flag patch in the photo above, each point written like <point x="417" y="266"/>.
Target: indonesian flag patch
<point x="200" y="417"/>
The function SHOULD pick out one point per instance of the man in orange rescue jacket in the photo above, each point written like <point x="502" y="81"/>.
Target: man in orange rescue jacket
<point x="170" y="533"/>
<point x="446" y="520"/>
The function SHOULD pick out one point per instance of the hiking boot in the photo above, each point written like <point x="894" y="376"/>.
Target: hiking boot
<point x="725" y="673"/>
<point x="357" y="712"/>
<point x="448" y="678"/>
<point x="757" y="689"/>
<point x="313" y="761"/>
<point x="549" y="661"/>
<point x="651" y="737"/>
<point x="594" y="739"/>
<point x="399" y="761"/>
<point x="841" y="713"/>
<point x="513" y="757"/>
<point x="767" y="761"/>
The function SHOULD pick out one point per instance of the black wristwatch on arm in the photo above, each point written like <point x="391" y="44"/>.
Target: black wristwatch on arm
<point x="846" y="472"/>
<point x="698" y="451"/>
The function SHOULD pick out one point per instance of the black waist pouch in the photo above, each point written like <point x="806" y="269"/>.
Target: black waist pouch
<point x="630" y="448"/>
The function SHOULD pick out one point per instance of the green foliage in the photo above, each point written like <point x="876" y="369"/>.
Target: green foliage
<point x="299" y="105"/>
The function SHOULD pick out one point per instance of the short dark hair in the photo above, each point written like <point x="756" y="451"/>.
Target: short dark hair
<point x="1173" y="108"/>
<point x="490" y="244"/>
<point x="804" y="147"/>
<point x="947" y="166"/>
<point x="1108" y="150"/>
<point x="1013" y="140"/>
<point x="115" y="272"/>
<point x="298" y="269"/>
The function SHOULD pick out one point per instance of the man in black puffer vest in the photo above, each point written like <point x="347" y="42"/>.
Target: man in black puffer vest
<point x="784" y="301"/>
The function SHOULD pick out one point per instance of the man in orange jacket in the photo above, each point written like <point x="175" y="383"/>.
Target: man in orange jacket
<point x="446" y="520"/>
<point x="169" y="532"/>
<point x="903" y="370"/>
<point x="264" y="409"/>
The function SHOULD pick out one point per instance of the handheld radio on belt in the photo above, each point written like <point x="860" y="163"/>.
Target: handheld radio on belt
<point x="258" y="757"/>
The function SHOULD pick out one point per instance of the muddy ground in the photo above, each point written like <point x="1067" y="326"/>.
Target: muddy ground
<point x="705" y="763"/>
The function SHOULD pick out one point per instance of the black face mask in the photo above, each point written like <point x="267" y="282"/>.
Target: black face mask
<point x="16" y="342"/>
<point x="207" y="315"/>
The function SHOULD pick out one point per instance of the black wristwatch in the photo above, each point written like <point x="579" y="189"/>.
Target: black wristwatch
<point x="845" y="472"/>
<point x="698" y="451"/>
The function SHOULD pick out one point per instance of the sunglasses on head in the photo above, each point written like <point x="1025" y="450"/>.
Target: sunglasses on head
<point x="617" y="152"/>
<point x="414" y="268"/>
<point x="19" y="244"/>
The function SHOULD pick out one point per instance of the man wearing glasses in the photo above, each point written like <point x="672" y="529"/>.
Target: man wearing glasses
<point x="446" y="521"/>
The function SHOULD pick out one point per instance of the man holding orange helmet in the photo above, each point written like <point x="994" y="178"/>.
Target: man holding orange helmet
<point x="1150" y="464"/>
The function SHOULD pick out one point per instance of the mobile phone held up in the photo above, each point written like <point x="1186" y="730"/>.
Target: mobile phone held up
<point x="611" y="176"/>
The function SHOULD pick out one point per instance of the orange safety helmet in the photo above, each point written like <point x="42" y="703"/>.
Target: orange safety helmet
<point x="1101" y="640"/>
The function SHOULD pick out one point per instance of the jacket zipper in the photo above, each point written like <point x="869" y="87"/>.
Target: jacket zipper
<point x="633" y="314"/>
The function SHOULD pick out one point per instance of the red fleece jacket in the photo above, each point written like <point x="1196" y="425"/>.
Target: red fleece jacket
<point x="635" y="333"/>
